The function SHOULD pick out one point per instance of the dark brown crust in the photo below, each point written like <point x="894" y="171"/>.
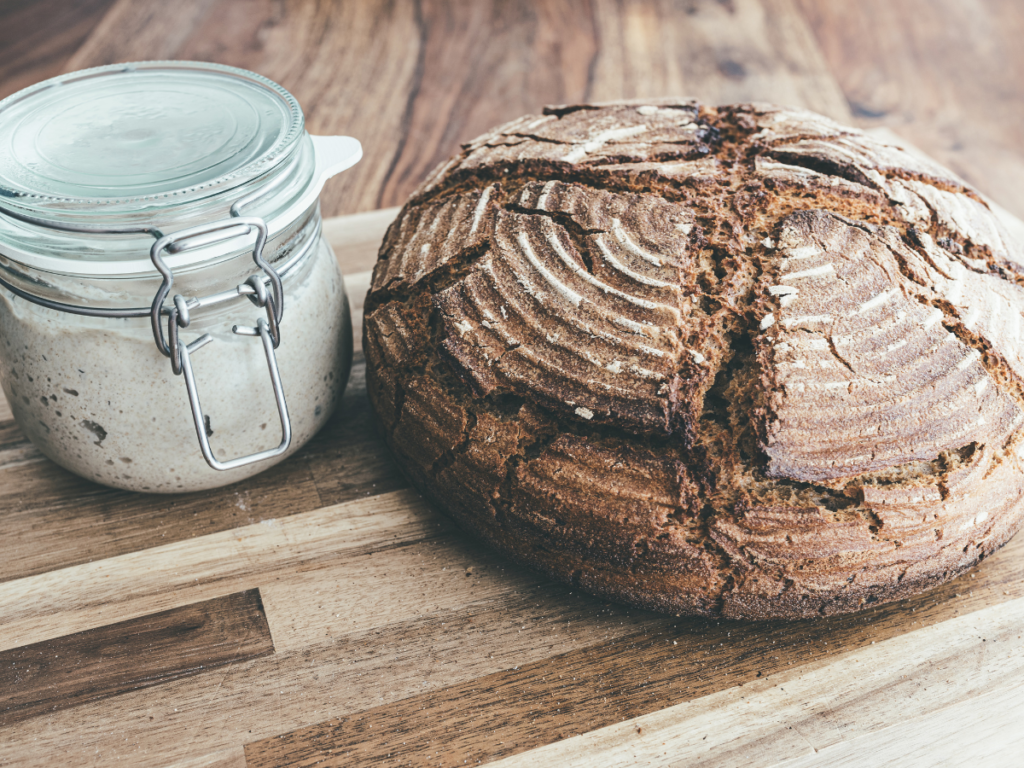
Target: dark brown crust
<point x="737" y="362"/>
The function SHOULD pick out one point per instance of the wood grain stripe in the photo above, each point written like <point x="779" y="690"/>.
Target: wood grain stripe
<point x="38" y="37"/>
<point x="135" y="584"/>
<point x="52" y="519"/>
<point x="450" y="629"/>
<point x="233" y="757"/>
<point x="667" y="662"/>
<point x="986" y="727"/>
<point x="138" y="653"/>
<point x="905" y="701"/>
<point x="446" y="630"/>
<point x="14" y="446"/>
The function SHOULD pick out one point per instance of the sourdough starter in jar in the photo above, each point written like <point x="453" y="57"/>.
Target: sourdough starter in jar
<point x="94" y="395"/>
<point x="119" y="182"/>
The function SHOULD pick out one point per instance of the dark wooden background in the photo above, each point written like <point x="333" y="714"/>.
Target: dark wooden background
<point x="414" y="78"/>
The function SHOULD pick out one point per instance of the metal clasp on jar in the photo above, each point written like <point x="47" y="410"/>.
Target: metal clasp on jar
<point x="266" y="291"/>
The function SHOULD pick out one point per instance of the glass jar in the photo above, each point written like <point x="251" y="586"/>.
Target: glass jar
<point x="171" y="318"/>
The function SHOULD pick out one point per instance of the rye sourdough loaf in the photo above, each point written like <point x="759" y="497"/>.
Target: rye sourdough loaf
<point x="737" y="361"/>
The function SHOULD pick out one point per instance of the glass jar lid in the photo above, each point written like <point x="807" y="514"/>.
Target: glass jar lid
<point x="145" y="134"/>
<point x="95" y="165"/>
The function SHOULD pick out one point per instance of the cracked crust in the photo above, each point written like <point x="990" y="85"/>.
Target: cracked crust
<point x="735" y="361"/>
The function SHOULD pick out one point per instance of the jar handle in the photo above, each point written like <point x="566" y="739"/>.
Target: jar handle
<point x="333" y="154"/>
<point x="267" y="292"/>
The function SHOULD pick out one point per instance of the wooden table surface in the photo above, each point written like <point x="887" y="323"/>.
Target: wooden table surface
<point x="322" y="613"/>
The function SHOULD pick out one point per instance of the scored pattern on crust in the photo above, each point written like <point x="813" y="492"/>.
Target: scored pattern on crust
<point x="864" y="375"/>
<point x="599" y="340"/>
<point x="739" y="361"/>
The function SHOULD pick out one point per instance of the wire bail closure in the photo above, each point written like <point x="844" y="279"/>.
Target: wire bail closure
<point x="180" y="316"/>
<point x="333" y="154"/>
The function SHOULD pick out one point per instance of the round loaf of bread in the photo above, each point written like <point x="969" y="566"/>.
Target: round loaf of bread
<point x="737" y="361"/>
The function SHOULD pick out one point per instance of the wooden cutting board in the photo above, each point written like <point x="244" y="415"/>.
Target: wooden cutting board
<point x="323" y="614"/>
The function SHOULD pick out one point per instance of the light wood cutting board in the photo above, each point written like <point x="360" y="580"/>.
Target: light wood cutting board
<point x="322" y="613"/>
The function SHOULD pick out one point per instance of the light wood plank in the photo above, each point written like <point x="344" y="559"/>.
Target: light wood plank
<point x="84" y="596"/>
<point x="540" y="702"/>
<point x="796" y="714"/>
<point x="319" y="600"/>
<point x="438" y="658"/>
<point x="52" y="518"/>
<point x="982" y="731"/>
<point x="356" y="238"/>
<point x="426" y="622"/>
<point x="342" y="673"/>
<point x="232" y="757"/>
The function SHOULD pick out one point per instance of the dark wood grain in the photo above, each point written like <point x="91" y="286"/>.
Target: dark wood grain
<point x="414" y="78"/>
<point x="11" y="437"/>
<point x="665" y="662"/>
<point x="138" y="653"/>
<point x="351" y="65"/>
<point x="461" y="90"/>
<point x="37" y="37"/>
<point x="53" y="519"/>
